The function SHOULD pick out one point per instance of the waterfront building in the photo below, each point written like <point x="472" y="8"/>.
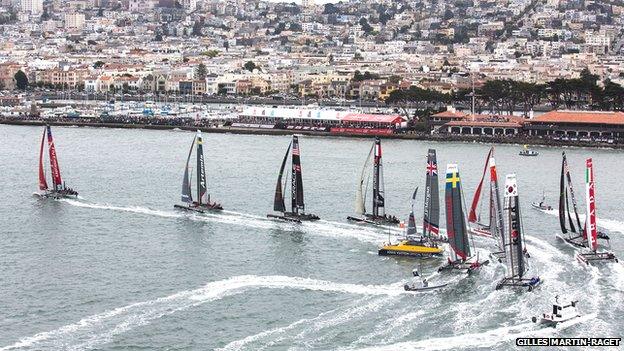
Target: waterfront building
<point x="579" y="125"/>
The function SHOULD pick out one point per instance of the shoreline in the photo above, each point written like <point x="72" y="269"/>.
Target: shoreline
<point x="251" y="131"/>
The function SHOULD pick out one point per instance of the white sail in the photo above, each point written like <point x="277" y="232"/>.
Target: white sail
<point x="360" y="208"/>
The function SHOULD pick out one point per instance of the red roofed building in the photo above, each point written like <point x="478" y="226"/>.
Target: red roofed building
<point x="372" y="119"/>
<point x="578" y="124"/>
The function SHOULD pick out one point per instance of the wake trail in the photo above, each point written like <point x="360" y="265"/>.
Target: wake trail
<point x="611" y="225"/>
<point x="304" y="327"/>
<point x="322" y="228"/>
<point x="486" y="339"/>
<point x="101" y="328"/>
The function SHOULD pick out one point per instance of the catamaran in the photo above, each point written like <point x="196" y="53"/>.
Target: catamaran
<point x="575" y="237"/>
<point x="202" y="203"/>
<point x="496" y="226"/>
<point x="515" y="252"/>
<point x="412" y="245"/>
<point x="591" y="228"/>
<point x="297" y="212"/>
<point x="460" y="258"/>
<point x="58" y="189"/>
<point x="495" y="216"/>
<point x="378" y="216"/>
<point x="426" y="244"/>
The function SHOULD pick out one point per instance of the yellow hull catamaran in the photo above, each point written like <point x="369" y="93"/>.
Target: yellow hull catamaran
<point x="425" y="245"/>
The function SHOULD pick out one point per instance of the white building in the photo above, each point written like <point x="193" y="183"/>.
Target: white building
<point x="74" y="20"/>
<point x="32" y="6"/>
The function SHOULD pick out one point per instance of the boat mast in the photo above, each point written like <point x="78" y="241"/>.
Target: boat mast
<point x="187" y="195"/>
<point x="378" y="186"/>
<point x="431" y="216"/>
<point x="297" y="179"/>
<point x="591" y="230"/>
<point x="514" y="249"/>
<point x="202" y="196"/>
<point x="497" y="224"/>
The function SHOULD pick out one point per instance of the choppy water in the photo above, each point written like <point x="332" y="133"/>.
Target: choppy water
<point x="120" y="269"/>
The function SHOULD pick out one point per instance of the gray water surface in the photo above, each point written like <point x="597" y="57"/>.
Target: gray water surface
<point x="120" y="269"/>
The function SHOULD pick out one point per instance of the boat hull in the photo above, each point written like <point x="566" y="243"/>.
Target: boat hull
<point x="591" y="257"/>
<point x="541" y="208"/>
<point x="413" y="287"/>
<point x="529" y="283"/>
<point x="58" y="195"/>
<point x="375" y="220"/>
<point x="578" y="242"/>
<point x="295" y="217"/>
<point x="410" y="249"/>
<point x="200" y="208"/>
<point x="528" y="153"/>
<point x="463" y="266"/>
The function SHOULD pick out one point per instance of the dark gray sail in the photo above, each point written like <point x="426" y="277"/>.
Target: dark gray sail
<point x="297" y="178"/>
<point x="514" y="247"/>
<point x="278" y="202"/>
<point x="568" y="196"/>
<point x="455" y="219"/>
<point x="186" y="182"/>
<point x="431" y="217"/>
<point x="411" y="221"/>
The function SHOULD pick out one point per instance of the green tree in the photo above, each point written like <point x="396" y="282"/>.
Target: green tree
<point x="98" y="64"/>
<point x="21" y="81"/>
<point x="201" y="71"/>
<point x="250" y="66"/>
<point x="365" y="26"/>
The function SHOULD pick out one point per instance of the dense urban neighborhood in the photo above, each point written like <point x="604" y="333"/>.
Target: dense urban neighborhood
<point x="491" y="61"/>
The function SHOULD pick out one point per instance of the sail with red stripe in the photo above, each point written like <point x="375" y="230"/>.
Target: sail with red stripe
<point x="57" y="182"/>
<point x="590" y="187"/>
<point x="379" y="202"/>
<point x="43" y="184"/>
<point x="472" y="216"/>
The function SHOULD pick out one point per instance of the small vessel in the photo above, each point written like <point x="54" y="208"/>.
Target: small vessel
<point x="423" y="285"/>
<point x="542" y="204"/>
<point x="591" y="228"/>
<point x="528" y="152"/>
<point x="515" y="251"/>
<point x="297" y="212"/>
<point x="561" y="312"/>
<point x="378" y="216"/>
<point x="496" y="227"/>
<point x="426" y="244"/>
<point x="412" y="245"/>
<point x="460" y="258"/>
<point x="202" y="203"/>
<point x="58" y="189"/>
